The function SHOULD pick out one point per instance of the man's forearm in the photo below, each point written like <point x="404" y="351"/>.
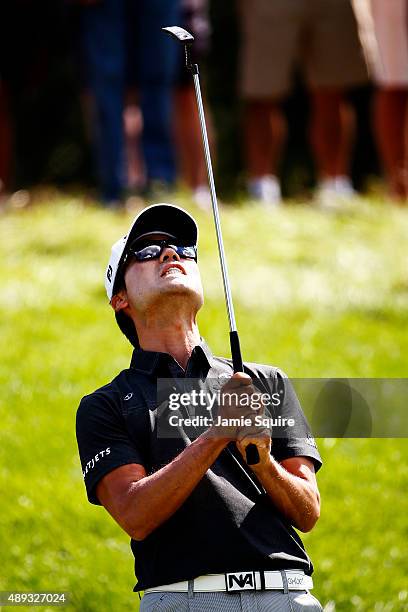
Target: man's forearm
<point x="153" y="499"/>
<point x="296" y="498"/>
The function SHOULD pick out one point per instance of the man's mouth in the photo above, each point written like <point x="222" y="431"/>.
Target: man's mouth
<point x="172" y="272"/>
<point x="171" y="269"/>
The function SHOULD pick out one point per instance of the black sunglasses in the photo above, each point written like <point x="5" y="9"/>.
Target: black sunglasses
<point x="152" y="249"/>
<point x="144" y="250"/>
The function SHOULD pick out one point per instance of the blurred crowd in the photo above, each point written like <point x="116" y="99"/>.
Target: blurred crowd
<point x="127" y="82"/>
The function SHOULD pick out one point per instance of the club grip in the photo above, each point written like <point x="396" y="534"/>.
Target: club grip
<point x="236" y="352"/>
<point x="252" y="455"/>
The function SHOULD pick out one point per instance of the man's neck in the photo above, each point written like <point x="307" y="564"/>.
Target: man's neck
<point x="177" y="339"/>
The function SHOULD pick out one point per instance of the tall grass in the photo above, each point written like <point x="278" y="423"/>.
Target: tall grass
<point x="316" y="294"/>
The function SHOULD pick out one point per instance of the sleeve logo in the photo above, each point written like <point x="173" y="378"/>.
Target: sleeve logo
<point x="92" y="462"/>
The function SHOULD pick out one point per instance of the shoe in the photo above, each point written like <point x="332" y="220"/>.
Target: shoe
<point x="332" y="193"/>
<point x="266" y="190"/>
<point x="113" y="204"/>
<point x="158" y="190"/>
<point x="344" y="187"/>
<point x="202" y="197"/>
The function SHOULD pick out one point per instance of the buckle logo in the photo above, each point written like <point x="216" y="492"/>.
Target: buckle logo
<point x="243" y="581"/>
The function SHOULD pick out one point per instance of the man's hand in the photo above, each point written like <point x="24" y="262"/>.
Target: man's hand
<point x="236" y="402"/>
<point x="240" y="399"/>
<point x="261" y="438"/>
<point x="291" y="485"/>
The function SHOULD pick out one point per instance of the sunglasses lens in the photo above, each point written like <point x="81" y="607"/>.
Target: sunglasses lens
<point x="144" y="250"/>
<point x="149" y="252"/>
<point x="187" y="251"/>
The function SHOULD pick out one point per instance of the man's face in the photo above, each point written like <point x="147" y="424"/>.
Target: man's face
<point x="153" y="283"/>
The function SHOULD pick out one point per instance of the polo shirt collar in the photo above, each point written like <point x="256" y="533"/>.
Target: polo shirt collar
<point x="147" y="362"/>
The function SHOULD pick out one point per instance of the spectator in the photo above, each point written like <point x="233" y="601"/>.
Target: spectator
<point x="187" y="133"/>
<point x="122" y="44"/>
<point x="383" y="29"/>
<point x="187" y="125"/>
<point x="133" y="127"/>
<point x="5" y="140"/>
<point x="321" y="36"/>
<point x="32" y="108"/>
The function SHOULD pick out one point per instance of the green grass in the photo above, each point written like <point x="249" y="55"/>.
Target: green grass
<point x="316" y="294"/>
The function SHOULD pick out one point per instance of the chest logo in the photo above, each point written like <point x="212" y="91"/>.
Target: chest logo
<point x="242" y="581"/>
<point x="311" y="441"/>
<point x="224" y="376"/>
<point x="128" y="397"/>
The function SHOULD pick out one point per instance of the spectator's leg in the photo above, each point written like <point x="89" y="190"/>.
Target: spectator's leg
<point x="5" y="141"/>
<point x="406" y="152"/>
<point x="103" y="48"/>
<point x="188" y="138"/>
<point x="384" y="32"/>
<point x="157" y="69"/>
<point x="391" y="127"/>
<point x="187" y="130"/>
<point x="265" y="135"/>
<point x="270" y="32"/>
<point x="332" y="129"/>
<point x="333" y="64"/>
<point x="133" y="129"/>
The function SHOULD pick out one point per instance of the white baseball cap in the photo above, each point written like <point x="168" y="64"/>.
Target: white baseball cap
<point x="158" y="218"/>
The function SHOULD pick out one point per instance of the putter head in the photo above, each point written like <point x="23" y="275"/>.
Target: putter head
<point x="180" y="34"/>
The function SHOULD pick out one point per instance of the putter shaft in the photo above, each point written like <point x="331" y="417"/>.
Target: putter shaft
<point x="252" y="454"/>
<point x="186" y="39"/>
<point x="207" y="154"/>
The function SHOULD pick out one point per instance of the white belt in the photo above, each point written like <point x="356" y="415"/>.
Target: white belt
<point x="241" y="581"/>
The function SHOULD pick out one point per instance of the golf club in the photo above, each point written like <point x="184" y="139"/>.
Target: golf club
<point x="187" y="39"/>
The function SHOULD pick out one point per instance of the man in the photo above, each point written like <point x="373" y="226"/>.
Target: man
<point x="319" y="37"/>
<point x="208" y="531"/>
<point x="384" y="35"/>
<point x="122" y="46"/>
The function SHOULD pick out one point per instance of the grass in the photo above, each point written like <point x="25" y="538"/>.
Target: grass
<point x="317" y="294"/>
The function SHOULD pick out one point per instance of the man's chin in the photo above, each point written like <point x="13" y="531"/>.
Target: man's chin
<point x="176" y="291"/>
<point x="175" y="282"/>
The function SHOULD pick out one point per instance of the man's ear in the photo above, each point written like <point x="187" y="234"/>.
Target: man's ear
<point x="119" y="301"/>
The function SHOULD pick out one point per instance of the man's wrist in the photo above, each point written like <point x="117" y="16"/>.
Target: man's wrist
<point x="268" y="468"/>
<point x="217" y="437"/>
<point x="226" y="433"/>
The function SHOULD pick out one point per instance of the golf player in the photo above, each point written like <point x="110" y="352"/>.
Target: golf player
<point x="208" y="531"/>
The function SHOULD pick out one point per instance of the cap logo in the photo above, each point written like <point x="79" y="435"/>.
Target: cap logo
<point x="109" y="273"/>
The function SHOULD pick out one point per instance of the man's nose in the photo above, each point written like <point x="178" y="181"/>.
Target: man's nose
<point x="169" y="254"/>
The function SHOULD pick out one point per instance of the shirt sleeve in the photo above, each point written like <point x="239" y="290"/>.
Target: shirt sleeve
<point x="103" y="441"/>
<point x="296" y="440"/>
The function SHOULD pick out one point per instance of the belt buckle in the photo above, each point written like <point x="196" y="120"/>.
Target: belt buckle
<point x="240" y="581"/>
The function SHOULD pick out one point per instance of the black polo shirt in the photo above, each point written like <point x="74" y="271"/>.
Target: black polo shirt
<point x="228" y="523"/>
